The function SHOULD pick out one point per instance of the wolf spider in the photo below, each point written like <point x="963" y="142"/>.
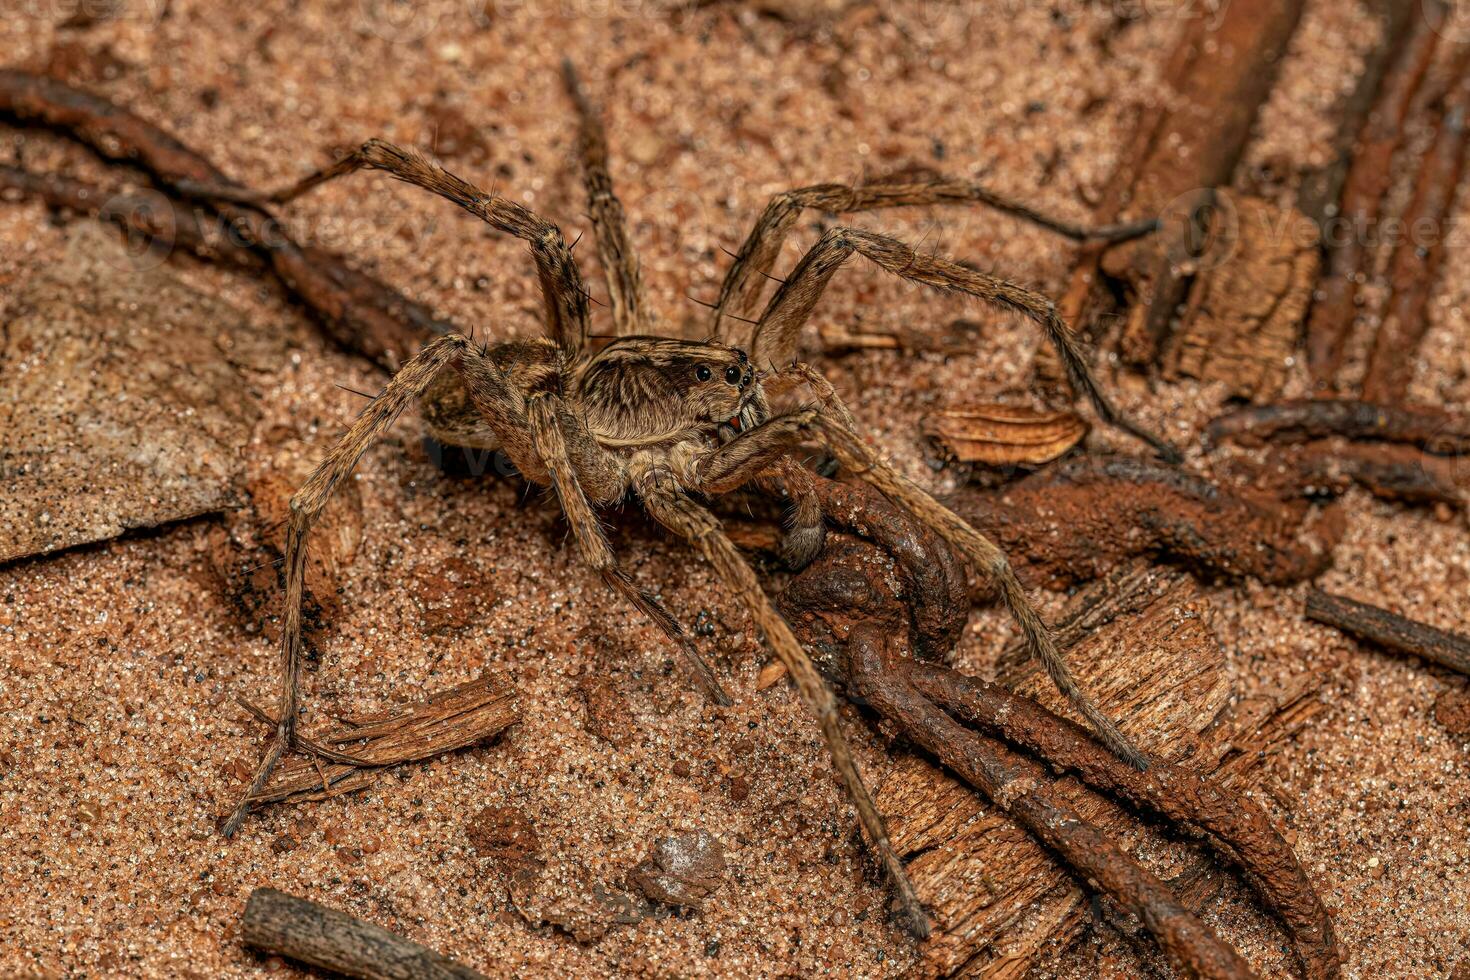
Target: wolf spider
<point x="674" y="422"/>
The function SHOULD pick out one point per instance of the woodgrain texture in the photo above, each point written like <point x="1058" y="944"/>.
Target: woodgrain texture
<point x="999" y="898"/>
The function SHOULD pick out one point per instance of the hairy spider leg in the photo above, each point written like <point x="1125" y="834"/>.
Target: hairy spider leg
<point x="609" y="224"/>
<point x="696" y="524"/>
<point x="775" y="342"/>
<point x="523" y="439"/>
<point x="752" y="264"/>
<point x="561" y="282"/>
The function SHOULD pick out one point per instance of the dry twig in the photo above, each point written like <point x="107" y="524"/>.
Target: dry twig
<point x="156" y="217"/>
<point x="1431" y="429"/>
<point x="359" y="312"/>
<point x="1322" y="187"/>
<point x="1398" y="452"/>
<point x="862" y="634"/>
<point x="303" y="930"/>
<point x="1238" y="829"/>
<point x="1390" y="630"/>
<point x="1391" y="472"/>
<point x="998" y="773"/>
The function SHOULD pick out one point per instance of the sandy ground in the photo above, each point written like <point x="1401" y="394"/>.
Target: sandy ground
<point x="122" y="745"/>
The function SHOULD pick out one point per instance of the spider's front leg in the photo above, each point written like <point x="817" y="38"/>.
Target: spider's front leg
<point x="743" y="458"/>
<point x="680" y="514"/>
<point x="774" y="345"/>
<point x="804" y="531"/>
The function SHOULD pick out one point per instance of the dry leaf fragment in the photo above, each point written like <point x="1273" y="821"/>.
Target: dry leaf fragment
<point x="1004" y="435"/>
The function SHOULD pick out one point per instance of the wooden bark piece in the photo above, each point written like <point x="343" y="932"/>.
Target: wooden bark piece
<point x="303" y="930"/>
<point x="1414" y="270"/>
<point x="1245" y="311"/>
<point x="446" y="721"/>
<point x="1401" y="62"/>
<point x="996" y="895"/>
<point x="1219" y="74"/>
<point x="1004" y="435"/>
<point x="1231" y="67"/>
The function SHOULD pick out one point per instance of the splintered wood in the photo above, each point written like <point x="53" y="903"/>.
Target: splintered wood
<point x="1245" y="312"/>
<point x="998" y="897"/>
<point x="1219" y="74"/>
<point x="450" y="720"/>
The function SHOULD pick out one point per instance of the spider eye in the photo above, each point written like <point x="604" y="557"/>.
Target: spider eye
<point x="702" y="373"/>
<point x="732" y="375"/>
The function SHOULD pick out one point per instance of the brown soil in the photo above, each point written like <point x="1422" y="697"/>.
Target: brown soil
<point x="119" y="661"/>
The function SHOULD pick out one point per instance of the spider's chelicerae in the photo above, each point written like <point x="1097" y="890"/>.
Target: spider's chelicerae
<point x="672" y="423"/>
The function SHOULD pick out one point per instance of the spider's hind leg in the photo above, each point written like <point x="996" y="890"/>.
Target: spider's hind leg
<point x="306" y="506"/>
<point x="697" y="525"/>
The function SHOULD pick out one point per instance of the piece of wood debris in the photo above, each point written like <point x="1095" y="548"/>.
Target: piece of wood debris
<point x="303" y="930"/>
<point x="1390" y="630"/>
<point x="1182" y="148"/>
<point x="1004" y="435"/>
<point x="1247" y="304"/>
<point x="1000" y="899"/>
<point x="1078" y="518"/>
<point x="1415" y="267"/>
<point x="1367" y="145"/>
<point x="454" y="719"/>
<point x="123" y="403"/>
<point x="957" y="337"/>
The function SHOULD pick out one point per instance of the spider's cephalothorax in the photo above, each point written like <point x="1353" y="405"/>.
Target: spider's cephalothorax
<point x="642" y="391"/>
<point x="672" y="423"/>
